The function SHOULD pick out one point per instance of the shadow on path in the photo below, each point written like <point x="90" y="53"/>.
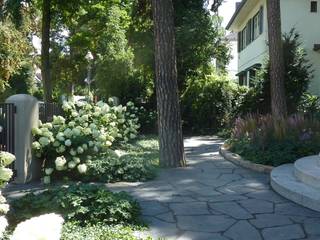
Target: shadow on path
<point x="214" y="199"/>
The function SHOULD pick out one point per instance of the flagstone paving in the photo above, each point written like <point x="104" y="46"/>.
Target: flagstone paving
<point x="212" y="199"/>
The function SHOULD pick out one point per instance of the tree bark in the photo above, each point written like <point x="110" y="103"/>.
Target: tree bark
<point x="277" y="69"/>
<point x="169" y="117"/>
<point x="45" y="55"/>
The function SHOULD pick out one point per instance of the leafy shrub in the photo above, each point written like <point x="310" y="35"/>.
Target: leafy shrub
<point x="208" y="103"/>
<point x="259" y="139"/>
<point x="67" y="144"/>
<point x="84" y="204"/>
<point x="310" y="106"/>
<point x="137" y="161"/>
<point x="298" y="73"/>
<point x="98" y="232"/>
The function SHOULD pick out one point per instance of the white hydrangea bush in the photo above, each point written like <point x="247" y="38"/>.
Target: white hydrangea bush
<point x="44" y="227"/>
<point x="67" y="143"/>
<point x="5" y="175"/>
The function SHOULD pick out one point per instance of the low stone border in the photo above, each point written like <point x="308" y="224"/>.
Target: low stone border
<point x="238" y="160"/>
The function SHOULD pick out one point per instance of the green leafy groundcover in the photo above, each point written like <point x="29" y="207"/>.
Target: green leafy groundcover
<point x="136" y="161"/>
<point x="84" y="204"/>
<point x="99" y="232"/>
<point x="91" y="212"/>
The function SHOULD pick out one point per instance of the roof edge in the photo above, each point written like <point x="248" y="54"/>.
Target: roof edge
<point x="235" y="14"/>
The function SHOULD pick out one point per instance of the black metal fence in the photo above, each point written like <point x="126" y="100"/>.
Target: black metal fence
<point x="7" y="118"/>
<point x="48" y="110"/>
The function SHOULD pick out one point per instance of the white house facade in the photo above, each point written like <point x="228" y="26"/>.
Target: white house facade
<point x="250" y="23"/>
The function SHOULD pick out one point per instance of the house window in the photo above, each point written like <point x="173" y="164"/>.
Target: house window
<point x="251" y="31"/>
<point x="314" y="6"/>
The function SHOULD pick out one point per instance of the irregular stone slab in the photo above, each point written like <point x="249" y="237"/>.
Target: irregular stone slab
<point x="226" y="198"/>
<point x="201" y="236"/>
<point x="160" y="229"/>
<point x="267" y="195"/>
<point x="270" y="220"/>
<point x="192" y="208"/>
<point x="230" y="177"/>
<point x="152" y="208"/>
<point x="166" y="217"/>
<point x="254" y="206"/>
<point x="204" y="223"/>
<point x="232" y="209"/>
<point x="292" y="209"/>
<point x="283" y="233"/>
<point x="312" y="226"/>
<point x="243" y="230"/>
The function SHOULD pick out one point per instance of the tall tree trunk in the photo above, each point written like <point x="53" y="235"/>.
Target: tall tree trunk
<point x="169" y="117"/>
<point x="45" y="55"/>
<point x="278" y="99"/>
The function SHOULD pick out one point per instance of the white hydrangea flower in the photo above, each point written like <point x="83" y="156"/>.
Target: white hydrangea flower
<point x="82" y="168"/>
<point x="68" y="143"/>
<point x="80" y="150"/>
<point x="60" y="136"/>
<point x="73" y="152"/>
<point x="49" y="171"/>
<point x="44" y="227"/>
<point x="6" y="158"/>
<point x="36" y="131"/>
<point x="44" y="141"/>
<point x="76" y="160"/>
<point x="110" y="100"/>
<point x="3" y="225"/>
<point x="48" y="125"/>
<point x="61" y="149"/>
<point x="68" y="132"/>
<point x="60" y="161"/>
<point x="71" y="124"/>
<point x="85" y="146"/>
<point x="46" y="180"/>
<point x="108" y="143"/>
<point x="4" y="208"/>
<point x="90" y="143"/>
<point x="132" y="136"/>
<point x="56" y="144"/>
<point x="72" y="164"/>
<point x="74" y="114"/>
<point x="5" y="174"/>
<point x="76" y="131"/>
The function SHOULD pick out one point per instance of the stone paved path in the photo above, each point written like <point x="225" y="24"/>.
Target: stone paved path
<point x="212" y="199"/>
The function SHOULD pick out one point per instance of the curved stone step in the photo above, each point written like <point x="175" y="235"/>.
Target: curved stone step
<point x="284" y="182"/>
<point x="307" y="170"/>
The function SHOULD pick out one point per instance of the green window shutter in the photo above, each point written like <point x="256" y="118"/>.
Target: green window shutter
<point x="248" y="32"/>
<point x="261" y="20"/>
<point x="239" y="41"/>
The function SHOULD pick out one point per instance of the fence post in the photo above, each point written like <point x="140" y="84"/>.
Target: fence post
<point x="27" y="117"/>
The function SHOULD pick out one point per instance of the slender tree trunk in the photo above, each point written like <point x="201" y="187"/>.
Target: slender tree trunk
<point x="169" y="118"/>
<point x="278" y="99"/>
<point x="45" y="55"/>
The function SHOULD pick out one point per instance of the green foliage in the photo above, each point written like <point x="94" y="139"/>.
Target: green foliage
<point x="298" y="74"/>
<point x="13" y="50"/>
<point x="208" y="102"/>
<point x="98" y="232"/>
<point x="130" y="162"/>
<point x="310" y="106"/>
<point x="83" y="204"/>
<point x="259" y="139"/>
